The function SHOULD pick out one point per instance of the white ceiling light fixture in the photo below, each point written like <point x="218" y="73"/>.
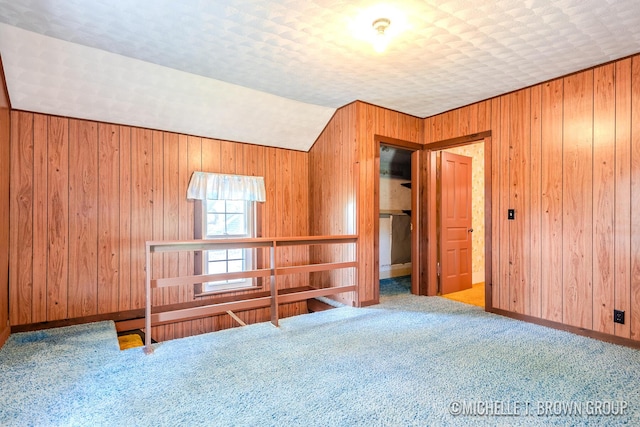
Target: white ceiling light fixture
<point x="380" y="40"/>
<point x="378" y="25"/>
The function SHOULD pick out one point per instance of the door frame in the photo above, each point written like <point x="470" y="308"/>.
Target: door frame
<point x="446" y="183"/>
<point x="416" y="203"/>
<point x="430" y="236"/>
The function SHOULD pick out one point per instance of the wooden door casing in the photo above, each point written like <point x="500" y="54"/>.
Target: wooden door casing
<point x="455" y="222"/>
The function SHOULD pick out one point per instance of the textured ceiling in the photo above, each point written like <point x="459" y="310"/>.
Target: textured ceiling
<point x="451" y="53"/>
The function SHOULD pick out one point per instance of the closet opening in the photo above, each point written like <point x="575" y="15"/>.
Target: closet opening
<point x="397" y="226"/>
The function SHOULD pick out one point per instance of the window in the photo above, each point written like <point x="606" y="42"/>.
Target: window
<point x="225" y="219"/>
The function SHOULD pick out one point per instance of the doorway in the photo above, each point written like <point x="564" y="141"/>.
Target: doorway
<point x="397" y="229"/>
<point x="461" y="223"/>
<point x="481" y="217"/>
<point x="394" y="219"/>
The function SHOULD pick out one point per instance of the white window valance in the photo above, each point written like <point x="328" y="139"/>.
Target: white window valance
<point x="217" y="186"/>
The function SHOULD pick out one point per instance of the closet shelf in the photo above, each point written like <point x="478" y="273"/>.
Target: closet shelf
<point x="391" y="212"/>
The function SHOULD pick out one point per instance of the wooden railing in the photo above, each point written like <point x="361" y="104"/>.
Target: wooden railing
<point x="275" y="297"/>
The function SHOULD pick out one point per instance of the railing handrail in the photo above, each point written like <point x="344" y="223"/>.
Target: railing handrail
<point x="243" y="243"/>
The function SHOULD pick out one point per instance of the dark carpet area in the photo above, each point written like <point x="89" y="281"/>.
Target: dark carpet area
<point x="395" y="286"/>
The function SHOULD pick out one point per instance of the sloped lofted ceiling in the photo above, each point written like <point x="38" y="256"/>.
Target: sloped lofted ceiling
<point x="272" y="72"/>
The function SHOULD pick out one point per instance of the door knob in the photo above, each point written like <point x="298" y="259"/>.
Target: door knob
<point x="470" y="230"/>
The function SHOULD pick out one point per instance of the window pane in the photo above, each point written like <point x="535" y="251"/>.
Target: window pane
<point x="215" y="225"/>
<point x="236" y="224"/>
<point x="227" y="219"/>
<point x="215" y="206"/>
<point x="236" y="206"/>
<point x="235" y="254"/>
<point x="216" y="255"/>
<point x="235" y="266"/>
<point x="216" y="267"/>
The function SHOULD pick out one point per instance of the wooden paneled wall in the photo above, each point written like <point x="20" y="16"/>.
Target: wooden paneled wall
<point x="566" y="157"/>
<point x="460" y="122"/>
<point x="5" y="132"/>
<point x="87" y="195"/>
<point x="332" y="195"/>
<point x="346" y="145"/>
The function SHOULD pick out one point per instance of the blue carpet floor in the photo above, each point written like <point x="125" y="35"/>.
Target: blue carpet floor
<point x="395" y="286"/>
<point x="411" y="361"/>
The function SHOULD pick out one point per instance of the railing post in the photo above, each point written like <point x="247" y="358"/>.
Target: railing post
<point x="148" y="349"/>
<point x="273" y="286"/>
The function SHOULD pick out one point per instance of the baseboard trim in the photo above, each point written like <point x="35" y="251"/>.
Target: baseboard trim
<point x="116" y="317"/>
<point x="369" y="303"/>
<point x="4" y="335"/>
<point x="132" y="318"/>
<point x="600" y="336"/>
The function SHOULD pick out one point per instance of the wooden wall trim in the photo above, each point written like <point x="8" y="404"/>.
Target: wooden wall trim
<point x="568" y="328"/>
<point x="376" y="221"/>
<point x="127" y="316"/>
<point x="116" y="317"/>
<point x="430" y="240"/>
<point x="369" y="303"/>
<point x="488" y="221"/>
<point x="134" y="319"/>
<point x="417" y="191"/>
<point x="459" y="140"/>
<point x="395" y="142"/>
